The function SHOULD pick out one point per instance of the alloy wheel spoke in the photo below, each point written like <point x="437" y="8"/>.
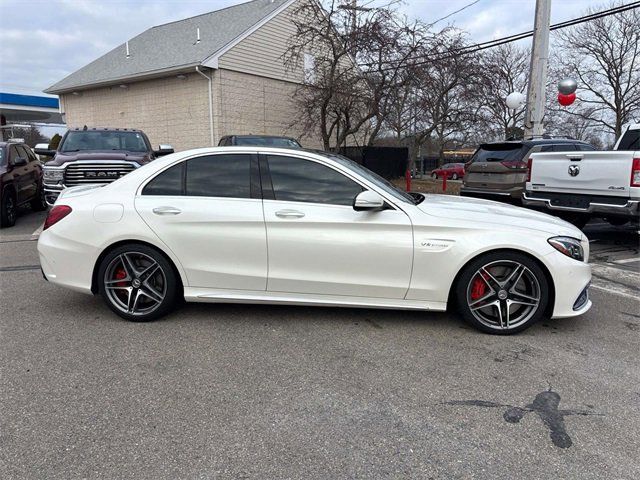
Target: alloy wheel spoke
<point x="132" y="303"/>
<point x="503" y="310"/>
<point x="117" y="283"/>
<point x="487" y="300"/>
<point x="484" y="274"/>
<point x="149" y="292"/>
<point x="523" y="298"/>
<point x="149" y="271"/>
<point x="514" y="276"/>
<point x="128" y="265"/>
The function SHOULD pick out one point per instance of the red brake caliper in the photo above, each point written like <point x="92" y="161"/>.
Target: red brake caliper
<point x="121" y="275"/>
<point x="479" y="286"/>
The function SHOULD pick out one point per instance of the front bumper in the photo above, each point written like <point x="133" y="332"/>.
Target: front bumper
<point x="613" y="206"/>
<point x="571" y="280"/>
<point x="51" y="192"/>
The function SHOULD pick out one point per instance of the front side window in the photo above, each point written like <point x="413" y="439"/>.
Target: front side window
<point x="299" y="180"/>
<point x="219" y="176"/>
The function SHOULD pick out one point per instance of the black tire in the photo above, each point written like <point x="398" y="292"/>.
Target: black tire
<point x="8" y="210"/>
<point x="122" y="283"/>
<point x="454" y="176"/>
<point x="434" y="176"/>
<point x="39" y="203"/>
<point x="521" y="315"/>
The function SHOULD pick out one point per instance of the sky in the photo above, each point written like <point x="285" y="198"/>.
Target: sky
<point x="42" y="41"/>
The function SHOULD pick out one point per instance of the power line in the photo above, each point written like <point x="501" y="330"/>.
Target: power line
<point x="519" y="36"/>
<point x="453" y="13"/>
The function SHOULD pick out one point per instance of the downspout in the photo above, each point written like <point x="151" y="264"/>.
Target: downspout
<point x="210" y="103"/>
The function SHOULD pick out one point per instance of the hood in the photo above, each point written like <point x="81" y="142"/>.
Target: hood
<point x="501" y="214"/>
<point x="97" y="155"/>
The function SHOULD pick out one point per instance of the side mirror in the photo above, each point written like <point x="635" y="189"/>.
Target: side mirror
<point x="368" y="201"/>
<point x="43" y="149"/>
<point x="19" y="162"/>
<point x="163" y="149"/>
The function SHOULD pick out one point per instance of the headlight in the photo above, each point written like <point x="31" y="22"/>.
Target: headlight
<point x="53" y="176"/>
<point x="571" y="247"/>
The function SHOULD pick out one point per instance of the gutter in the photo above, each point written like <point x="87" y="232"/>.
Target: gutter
<point x="209" y="79"/>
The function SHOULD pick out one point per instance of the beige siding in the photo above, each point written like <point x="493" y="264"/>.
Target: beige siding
<point x="248" y="104"/>
<point x="261" y="53"/>
<point x="168" y="110"/>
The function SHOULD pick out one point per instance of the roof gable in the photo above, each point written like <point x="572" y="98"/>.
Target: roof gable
<point x="172" y="46"/>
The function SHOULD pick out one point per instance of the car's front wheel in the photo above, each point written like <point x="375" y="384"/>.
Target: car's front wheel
<point x="8" y="210"/>
<point x="454" y="176"/>
<point x="434" y="176"/>
<point x="138" y="283"/>
<point x="502" y="292"/>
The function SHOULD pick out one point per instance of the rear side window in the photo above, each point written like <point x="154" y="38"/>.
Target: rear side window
<point x="299" y="180"/>
<point x="168" y="182"/>
<point x="585" y="147"/>
<point x="219" y="176"/>
<point x="630" y="140"/>
<point x="499" y="152"/>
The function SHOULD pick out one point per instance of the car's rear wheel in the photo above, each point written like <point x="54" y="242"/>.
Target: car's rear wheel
<point x="502" y="293"/>
<point x="138" y="283"/>
<point x="8" y="210"/>
<point x="434" y="176"/>
<point x="39" y="203"/>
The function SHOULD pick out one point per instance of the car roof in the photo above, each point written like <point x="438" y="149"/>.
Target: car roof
<point x="105" y="129"/>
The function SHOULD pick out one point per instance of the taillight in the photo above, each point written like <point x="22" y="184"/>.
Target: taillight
<point x="57" y="213"/>
<point x="514" y="164"/>
<point x="635" y="173"/>
<point x="529" y="167"/>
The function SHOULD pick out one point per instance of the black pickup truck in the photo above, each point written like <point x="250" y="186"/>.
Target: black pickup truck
<point x="95" y="156"/>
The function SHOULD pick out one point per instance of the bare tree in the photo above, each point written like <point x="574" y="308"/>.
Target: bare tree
<point x="504" y="70"/>
<point x="358" y="56"/>
<point x="603" y="56"/>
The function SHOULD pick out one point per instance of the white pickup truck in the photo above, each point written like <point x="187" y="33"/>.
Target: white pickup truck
<point x="580" y="185"/>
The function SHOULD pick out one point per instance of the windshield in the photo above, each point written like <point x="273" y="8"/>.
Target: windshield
<point x="374" y="178"/>
<point x="498" y="152"/>
<point x="268" y="141"/>
<point x="630" y="140"/>
<point x="82" y="140"/>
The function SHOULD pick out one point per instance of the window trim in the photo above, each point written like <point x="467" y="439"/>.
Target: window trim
<point x="269" y="194"/>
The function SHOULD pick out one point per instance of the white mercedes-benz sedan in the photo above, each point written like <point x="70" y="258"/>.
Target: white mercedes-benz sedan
<point x="268" y="225"/>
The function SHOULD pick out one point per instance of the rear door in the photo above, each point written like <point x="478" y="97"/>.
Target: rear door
<point x="208" y="211"/>
<point x="497" y="166"/>
<point x="582" y="172"/>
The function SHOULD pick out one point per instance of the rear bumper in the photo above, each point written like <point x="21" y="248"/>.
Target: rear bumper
<point x="502" y="195"/>
<point x="618" y="207"/>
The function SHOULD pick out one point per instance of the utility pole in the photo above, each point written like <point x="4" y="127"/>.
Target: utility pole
<point x="533" y="126"/>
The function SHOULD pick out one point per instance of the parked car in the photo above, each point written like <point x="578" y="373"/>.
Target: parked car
<point x="20" y="181"/>
<point x="581" y="185"/>
<point x="199" y="224"/>
<point x="498" y="171"/>
<point x="261" y="140"/>
<point x="95" y="156"/>
<point x="452" y="171"/>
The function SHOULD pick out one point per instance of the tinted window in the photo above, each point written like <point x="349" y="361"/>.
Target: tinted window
<point x="298" y="180"/>
<point x="168" y="182"/>
<point x="80" y="140"/>
<point x="584" y="147"/>
<point x="564" y="147"/>
<point x="268" y="142"/>
<point x="630" y="140"/>
<point x="219" y="176"/>
<point x="499" y="152"/>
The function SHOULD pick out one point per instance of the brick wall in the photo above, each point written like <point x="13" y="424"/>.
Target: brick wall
<point x="169" y="110"/>
<point x="250" y="104"/>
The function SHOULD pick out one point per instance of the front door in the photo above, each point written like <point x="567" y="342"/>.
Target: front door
<point x="207" y="212"/>
<point x="317" y="242"/>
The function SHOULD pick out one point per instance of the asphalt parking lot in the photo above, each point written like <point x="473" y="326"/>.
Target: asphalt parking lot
<point x="234" y="391"/>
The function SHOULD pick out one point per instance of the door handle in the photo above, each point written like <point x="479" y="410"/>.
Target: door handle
<point x="289" y="214"/>
<point x="575" y="157"/>
<point x="166" y="211"/>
